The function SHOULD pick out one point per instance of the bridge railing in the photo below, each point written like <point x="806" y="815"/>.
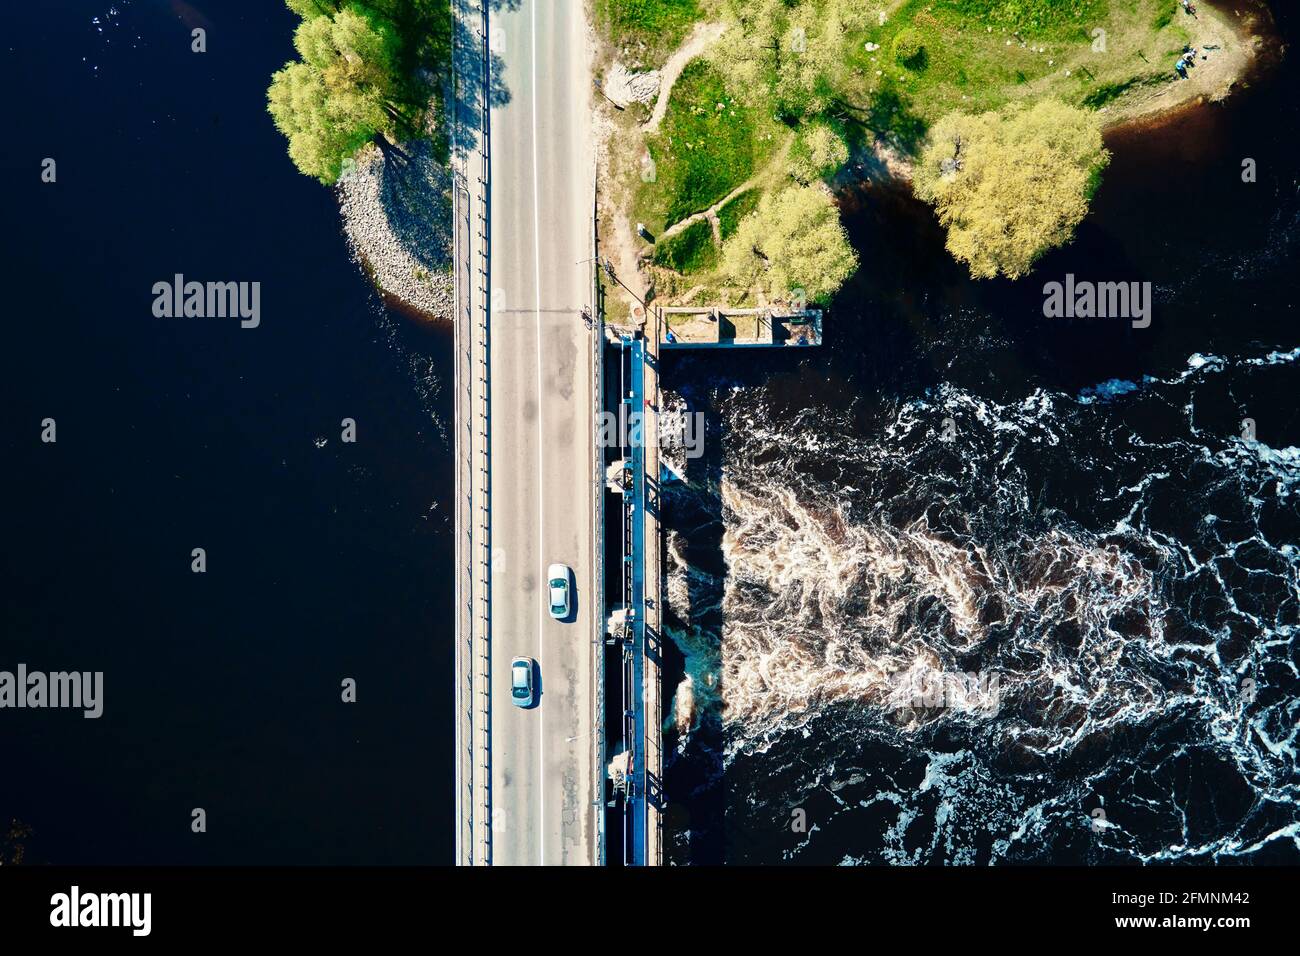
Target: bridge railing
<point x="463" y="697"/>
<point x="473" y="771"/>
<point x="485" y="423"/>
<point x="598" y="524"/>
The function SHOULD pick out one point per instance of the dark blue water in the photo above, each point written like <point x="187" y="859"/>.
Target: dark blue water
<point x="222" y="690"/>
<point x="1097" y="534"/>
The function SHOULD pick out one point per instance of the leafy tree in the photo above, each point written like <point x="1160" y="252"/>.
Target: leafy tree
<point x="1012" y="184"/>
<point x="303" y="112"/>
<point x="748" y="52"/>
<point x="792" y="52"/>
<point x="818" y="151"/>
<point x="354" y="51"/>
<point x="342" y="94"/>
<point x="792" y="241"/>
<point x="391" y="9"/>
<point x="311" y="8"/>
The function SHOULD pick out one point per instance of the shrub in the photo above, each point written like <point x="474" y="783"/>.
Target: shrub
<point x="909" y="49"/>
<point x="792" y="241"/>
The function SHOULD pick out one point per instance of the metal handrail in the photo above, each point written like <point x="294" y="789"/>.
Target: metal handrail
<point x="485" y="158"/>
<point x="598" y="523"/>
<point x="473" y="583"/>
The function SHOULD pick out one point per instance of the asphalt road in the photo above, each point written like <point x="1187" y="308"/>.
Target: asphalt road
<point x="543" y="786"/>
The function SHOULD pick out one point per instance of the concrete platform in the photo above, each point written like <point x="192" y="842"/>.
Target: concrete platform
<point x="682" y="327"/>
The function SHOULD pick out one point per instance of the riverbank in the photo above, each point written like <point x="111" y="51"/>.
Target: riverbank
<point x="397" y="215"/>
<point x="1124" y="71"/>
<point x="1229" y="45"/>
<point x="1241" y="47"/>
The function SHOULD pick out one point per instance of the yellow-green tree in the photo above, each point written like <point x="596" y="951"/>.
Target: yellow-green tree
<point x="1012" y="184"/>
<point x="818" y="150"/>
<point x="312" y="8"/>
<point x="790" y="52"/>
<point x="341" y="94"/>
<point x="792" y="243"/>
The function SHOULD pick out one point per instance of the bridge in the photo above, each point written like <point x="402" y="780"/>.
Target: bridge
<point x="530" y="782"/>
<point x="576" y="778"/>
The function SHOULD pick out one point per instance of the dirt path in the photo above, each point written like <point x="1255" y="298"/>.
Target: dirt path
<point x="701" y="38"/>
<point x="711" y="214"/>
<point x="764" y="175"/>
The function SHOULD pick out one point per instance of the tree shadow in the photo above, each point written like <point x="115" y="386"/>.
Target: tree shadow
<point x="918" y="61"/>
<point x="472" y="58"/>
<point x="415" y="194"/>
<point x="889" y="116"/>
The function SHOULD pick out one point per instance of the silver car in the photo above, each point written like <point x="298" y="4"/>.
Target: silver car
<point x="559" y="589"/>
<point x="521" y="681"/>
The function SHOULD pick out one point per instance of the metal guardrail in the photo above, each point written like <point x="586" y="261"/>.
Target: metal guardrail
<point x="473" y="477"/>
<point x="598" y="523"/>
<point x="631" y="402"/>
<point x="485" y="565"/>
<point x="654" y="722"/>
<point x="463" y="698"/>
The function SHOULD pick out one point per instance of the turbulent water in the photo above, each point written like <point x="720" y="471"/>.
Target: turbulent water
<point x="1141" y="651"/>
<point x="930" y="610"/>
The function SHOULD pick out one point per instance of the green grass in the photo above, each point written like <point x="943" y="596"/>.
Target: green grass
<point x="656" y="27"/>
<point x="930" y="58"/>
<point x="1045" y="19"/>
<point x="956" y="70"/>
<point x="701" y="153"/>
<point x="981" y="54"/>
<point x="691" y="250"/>
<point x="729" y="216"/>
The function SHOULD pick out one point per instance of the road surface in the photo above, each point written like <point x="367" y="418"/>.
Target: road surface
<point x="543" y="786"/>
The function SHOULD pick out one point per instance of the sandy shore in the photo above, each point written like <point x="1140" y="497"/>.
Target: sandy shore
<point x="1229" y="45"/>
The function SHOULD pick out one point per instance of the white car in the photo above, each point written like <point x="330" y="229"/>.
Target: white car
<point x="558" y="589"/>
<point x="521" y="681"/>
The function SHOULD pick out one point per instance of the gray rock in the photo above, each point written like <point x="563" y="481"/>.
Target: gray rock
<point x="396" y="211"/>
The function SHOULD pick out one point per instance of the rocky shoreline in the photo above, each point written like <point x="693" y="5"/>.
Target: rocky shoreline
<point x="396" y="210"/>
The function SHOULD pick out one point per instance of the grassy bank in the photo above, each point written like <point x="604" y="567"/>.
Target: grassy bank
<point x="646" y="31"/>
<point x="879" y="74"/>
<point x="708" y="145"/>
<point x="979" y="55"/>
